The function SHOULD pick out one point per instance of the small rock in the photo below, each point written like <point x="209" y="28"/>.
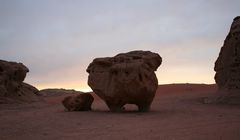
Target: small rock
<point x="81" y="102"/>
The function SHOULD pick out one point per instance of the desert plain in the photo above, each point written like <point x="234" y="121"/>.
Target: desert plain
<point x="177" y="113"/>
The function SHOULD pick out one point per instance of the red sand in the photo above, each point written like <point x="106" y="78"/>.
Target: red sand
<point x="177" y="114"/>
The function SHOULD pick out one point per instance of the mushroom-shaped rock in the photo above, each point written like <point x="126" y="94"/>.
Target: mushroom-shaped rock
<point x="227" y="66"/>
<point x="81" y="102"/>
<point x="127" y="78"/>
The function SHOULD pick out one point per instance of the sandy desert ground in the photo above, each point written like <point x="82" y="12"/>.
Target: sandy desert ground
<point x="177" y="114"/>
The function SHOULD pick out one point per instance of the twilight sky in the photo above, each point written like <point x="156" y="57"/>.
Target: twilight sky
<point x="57" y="39"/>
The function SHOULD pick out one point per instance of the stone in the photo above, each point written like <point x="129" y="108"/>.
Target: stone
<point x="81" y="102"/>
<point x="227" y="66"/>
<point x="12" y="75"/>
<point x="127" y="78"/>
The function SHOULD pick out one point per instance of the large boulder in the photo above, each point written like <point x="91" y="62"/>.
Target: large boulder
<point x="81" y="102"/>
<point x="227" y="66"/>
<point x="127" y="78"/>
<point x="12" y="75"/>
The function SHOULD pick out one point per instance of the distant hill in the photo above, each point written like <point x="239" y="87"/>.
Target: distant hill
<point x="57" y="92"/>
<point x="188" y="87"/>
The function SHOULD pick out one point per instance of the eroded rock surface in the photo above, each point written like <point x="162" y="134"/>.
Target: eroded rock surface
<point x="12" y="75"/>
<point x="81" y="102"/>
<point x="127" y="78"/>
<point x="227" y="66"/>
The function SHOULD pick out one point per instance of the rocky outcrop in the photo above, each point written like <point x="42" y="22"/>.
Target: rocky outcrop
<point x="81" y="102"/>
<point x="57" y="92"/>
<point x="227" y="66"/>
<point x="12" y="75"/>
<point x="127" y="78"/>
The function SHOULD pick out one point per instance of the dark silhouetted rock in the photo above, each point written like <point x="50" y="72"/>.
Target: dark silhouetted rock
<point x="12" y="75"/>
<point x="81" y="102"/>
<point x="227" y="66"/>
<point x="127" y="78"/>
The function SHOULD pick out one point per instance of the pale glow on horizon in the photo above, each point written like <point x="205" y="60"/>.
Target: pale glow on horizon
<point x="77" y="85"/>
<point x="69" y="87"/>
<point x="164" y="76"/>
<point x="172" y="77"/>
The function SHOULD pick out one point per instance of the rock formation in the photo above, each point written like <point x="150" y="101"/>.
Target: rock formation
<point x="81" y="102"/>
<point x="57" y="92"/>
<point x="12" y="75"/>
<point x="127" y="78"/>
<point x="227" y="66"/>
